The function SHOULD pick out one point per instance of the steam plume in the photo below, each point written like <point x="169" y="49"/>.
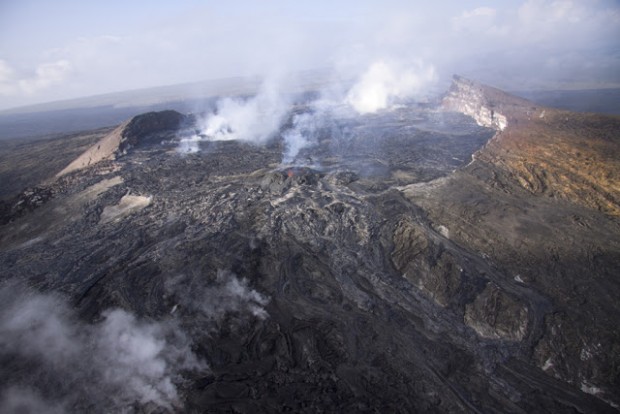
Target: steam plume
<point x="258" y="118"/>
<point x="253" y="120"/>
<point x="385" y="83"/>
<point x="300" y="136"/>
<point x="59" y="363"/>
<point x="213" y="300"/>
<point x="106" y="366"/>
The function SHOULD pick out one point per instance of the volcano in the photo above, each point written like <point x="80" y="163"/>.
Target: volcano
<point x="458" y="257"/>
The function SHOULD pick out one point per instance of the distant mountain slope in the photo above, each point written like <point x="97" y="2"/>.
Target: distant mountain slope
<point x="88" y="113"/>
<point x="602" y="101"/>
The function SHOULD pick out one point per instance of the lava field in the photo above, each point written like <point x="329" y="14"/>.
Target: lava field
<point x="398" y="263"/>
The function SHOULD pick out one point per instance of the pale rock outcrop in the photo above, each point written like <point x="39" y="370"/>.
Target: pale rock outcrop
<point x="127" y="135"/>
<point x="488" y="106"/>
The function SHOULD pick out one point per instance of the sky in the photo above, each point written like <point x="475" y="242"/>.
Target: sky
<point x="62" y="49"/>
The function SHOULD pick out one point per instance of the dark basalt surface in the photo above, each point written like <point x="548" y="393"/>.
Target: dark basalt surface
<point x="142" y="128"/>
<point x="392" y="282"/>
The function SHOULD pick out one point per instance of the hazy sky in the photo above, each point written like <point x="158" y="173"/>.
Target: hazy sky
<point x="51" y="50"/>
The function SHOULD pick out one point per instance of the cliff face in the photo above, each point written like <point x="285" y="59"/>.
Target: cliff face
<point x="541" y="200"/>
<point x="559" y="154"/>
<point x="488" y="106"/>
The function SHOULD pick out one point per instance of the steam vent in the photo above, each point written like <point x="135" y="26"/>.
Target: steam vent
<point x="460" y="258"/>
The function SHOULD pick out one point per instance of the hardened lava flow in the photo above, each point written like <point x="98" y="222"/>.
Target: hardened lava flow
<point x="406" y="261"/>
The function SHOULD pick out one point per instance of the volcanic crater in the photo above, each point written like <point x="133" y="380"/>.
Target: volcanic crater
<point x="460" y="258"/>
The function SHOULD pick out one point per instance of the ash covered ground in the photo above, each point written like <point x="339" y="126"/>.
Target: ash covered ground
<point x="339" y="264"/>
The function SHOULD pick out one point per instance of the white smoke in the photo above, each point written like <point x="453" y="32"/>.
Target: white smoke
<point x="383" y="85"/>
<point x="154" y="361"/>
<point x="116" y="364"/>
<point x="214" y="300"/>
<point x="254" y="119"/>
<point x="110" y="365"/>
<point x="319" y="117"/>
<point x="189" y="145"/>
<point x="386" y="83"/>
<point x="300" y="136"/>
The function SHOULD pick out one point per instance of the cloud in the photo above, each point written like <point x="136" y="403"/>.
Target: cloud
<point x="7" y="86"/>
<point x="46" y="75"/>
<point x="476" y="19"/>
<point x="494" y="44"/>
<point x="480" y="11"/>
<point x="511" y="47"/>
<point x="541" y="11"/>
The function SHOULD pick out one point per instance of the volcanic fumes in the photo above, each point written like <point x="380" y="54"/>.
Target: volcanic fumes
<point x="260" y="118"/>
<point x="296" y="255"/>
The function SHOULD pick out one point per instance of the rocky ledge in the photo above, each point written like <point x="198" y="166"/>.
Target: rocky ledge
<point x="555" y="153"/>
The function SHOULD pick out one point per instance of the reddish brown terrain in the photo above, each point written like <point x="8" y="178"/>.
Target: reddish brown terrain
<point x="560" y="154"/>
